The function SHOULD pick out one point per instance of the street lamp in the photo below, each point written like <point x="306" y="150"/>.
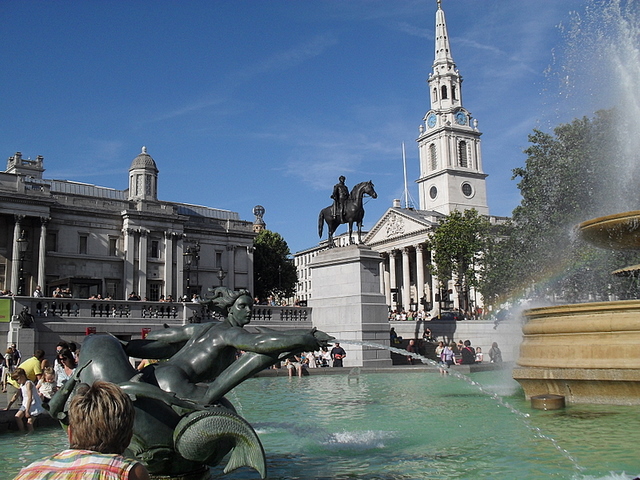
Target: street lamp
<point x="458" y="286"/>
<point x="188" y="258"/>
<point x="191" y="258"/>
<point x="22" y="244"/>
<point x="221" y="275"/>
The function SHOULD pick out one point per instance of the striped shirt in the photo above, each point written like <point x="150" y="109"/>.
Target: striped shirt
<point x="78" y="465"/>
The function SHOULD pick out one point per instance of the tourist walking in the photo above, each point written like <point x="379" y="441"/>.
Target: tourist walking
<point x="495" y="355"/>
<point x="337" y="355"/>
<point x="447" y="357"/>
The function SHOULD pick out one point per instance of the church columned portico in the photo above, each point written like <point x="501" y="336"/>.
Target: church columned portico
<point x="406" y="280"/>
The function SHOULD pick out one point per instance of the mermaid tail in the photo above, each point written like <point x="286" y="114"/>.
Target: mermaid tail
<point x="207" y="436"/>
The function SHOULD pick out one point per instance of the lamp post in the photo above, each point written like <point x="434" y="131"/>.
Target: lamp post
<point x="195" y="252"/>
<point x="22" y="244"/>
<point x="188" y="258"/>
<point x="458" y="286"/>
<point x="221" y="275"/>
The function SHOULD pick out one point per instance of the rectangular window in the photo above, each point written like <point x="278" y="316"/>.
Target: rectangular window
<point x="113" y="288"/>
<point x="82" y="244"/>
<point x="154" y="291"/>
<point x="218" y="260"/>
<point x="155" y="249"/>
<point x="52" y="242"/>
<point x="113" y="246"/>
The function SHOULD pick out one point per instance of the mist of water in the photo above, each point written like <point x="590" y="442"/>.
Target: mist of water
<point x="598" y="67"/>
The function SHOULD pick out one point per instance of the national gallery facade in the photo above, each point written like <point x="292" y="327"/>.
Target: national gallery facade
<point x="90" y="240"/>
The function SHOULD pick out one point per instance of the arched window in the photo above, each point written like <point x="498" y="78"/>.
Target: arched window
<point x="435" y="94"/>
<point x="444" y="92"/>
<point x="433" y="159"/>
<point x="462" y="154"/>
<point x="453" y="92"/>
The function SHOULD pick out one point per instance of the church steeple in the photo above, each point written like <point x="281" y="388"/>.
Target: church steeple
<point x="445" y="81"/>
<point x="451" y="176"/>
<point x="443" y="51"/>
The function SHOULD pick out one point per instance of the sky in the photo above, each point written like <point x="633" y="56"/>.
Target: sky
<point x="268" y="102"/>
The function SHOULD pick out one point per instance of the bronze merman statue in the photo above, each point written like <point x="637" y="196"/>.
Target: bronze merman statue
<point x="183" y="422"/>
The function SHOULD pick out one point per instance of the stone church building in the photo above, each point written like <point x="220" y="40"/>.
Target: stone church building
<point x="95" y="240"/>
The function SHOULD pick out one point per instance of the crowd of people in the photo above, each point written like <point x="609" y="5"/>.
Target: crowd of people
<point x="410" y="315"/>
<point x="33" y="382"/>
<point x="462" y="353"/>
<point x="299" y="364"/>
<point x="417" y="315"/>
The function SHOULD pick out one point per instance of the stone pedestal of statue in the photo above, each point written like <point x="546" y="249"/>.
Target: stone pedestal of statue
<point x="347" y="302"/>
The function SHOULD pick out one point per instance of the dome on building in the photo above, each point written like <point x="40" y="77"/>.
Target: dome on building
<point x="143" y="160"/>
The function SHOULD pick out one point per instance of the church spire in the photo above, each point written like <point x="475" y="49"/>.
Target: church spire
<point x="445" y="81"/>
<point x="443" y="50"/>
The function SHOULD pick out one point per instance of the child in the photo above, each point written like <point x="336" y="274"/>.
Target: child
<point x="47" y="385"/>
<point x="100" y="429"/>
<point x="31" y="405"/>
<point x="479" y="355"/>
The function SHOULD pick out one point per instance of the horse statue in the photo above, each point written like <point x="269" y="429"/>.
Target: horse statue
<point x="353" y="212"/>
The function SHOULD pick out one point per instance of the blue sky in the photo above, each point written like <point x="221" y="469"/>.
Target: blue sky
<point x="267" y="102"/>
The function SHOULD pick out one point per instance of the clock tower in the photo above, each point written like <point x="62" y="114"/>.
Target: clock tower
<point x="451" y="176"/>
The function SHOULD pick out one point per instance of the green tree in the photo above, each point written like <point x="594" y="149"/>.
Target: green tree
<point x="569" y="176"/>
<point x="273" y="270"/>
<point x="457" y="245"/>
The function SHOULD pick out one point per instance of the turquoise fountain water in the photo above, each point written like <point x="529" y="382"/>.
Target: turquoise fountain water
<point x="410" y="425"/>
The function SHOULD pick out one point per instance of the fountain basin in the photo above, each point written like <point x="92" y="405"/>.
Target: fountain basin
<point x="411" y="424"/>
<point x="620" y="231"/>
<point x="585" y="352"/>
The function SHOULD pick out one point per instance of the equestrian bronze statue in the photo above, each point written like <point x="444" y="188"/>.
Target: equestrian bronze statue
<point x="350" y="211"/>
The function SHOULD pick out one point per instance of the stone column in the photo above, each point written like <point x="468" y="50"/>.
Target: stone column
<point x="435" y="290"/>
<point x="406" y="278"/>
<point x="393" y="284"/>
<point x="180" y="267"/>
<point x="42" y="253"/>
<point x="15" y="254"/>
<point x="142" y="262"/>
<point x="168" y="263"/>
<point x="231" y="266"/>
<point x="129" y="252"/>
<point x="384" y="278"/>
<point x="420" y="272"/>
<point x="250" y="250"/>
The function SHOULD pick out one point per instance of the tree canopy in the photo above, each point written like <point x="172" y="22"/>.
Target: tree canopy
<point x="273" y="270"/>
<point x="569" y="177"/>
<point x="457" y="246"/>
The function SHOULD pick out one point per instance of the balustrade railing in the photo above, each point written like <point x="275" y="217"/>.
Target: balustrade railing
<point x="53" y="309"/>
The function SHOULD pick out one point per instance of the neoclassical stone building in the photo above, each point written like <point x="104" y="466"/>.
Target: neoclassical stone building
<point x="97" y="240"/>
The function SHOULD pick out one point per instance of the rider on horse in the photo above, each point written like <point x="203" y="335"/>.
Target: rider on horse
<point x="339" y="195"/>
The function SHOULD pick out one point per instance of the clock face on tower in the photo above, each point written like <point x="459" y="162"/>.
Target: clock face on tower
<point x="431" y="120"/>
<point x="461" y="118"/>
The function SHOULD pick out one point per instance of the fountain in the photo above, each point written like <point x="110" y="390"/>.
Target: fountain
<point x="588" y="352"/>
<point x="409" y="424"/>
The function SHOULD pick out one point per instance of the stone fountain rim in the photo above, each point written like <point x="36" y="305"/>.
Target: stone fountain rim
<point x="591" y="307"/>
